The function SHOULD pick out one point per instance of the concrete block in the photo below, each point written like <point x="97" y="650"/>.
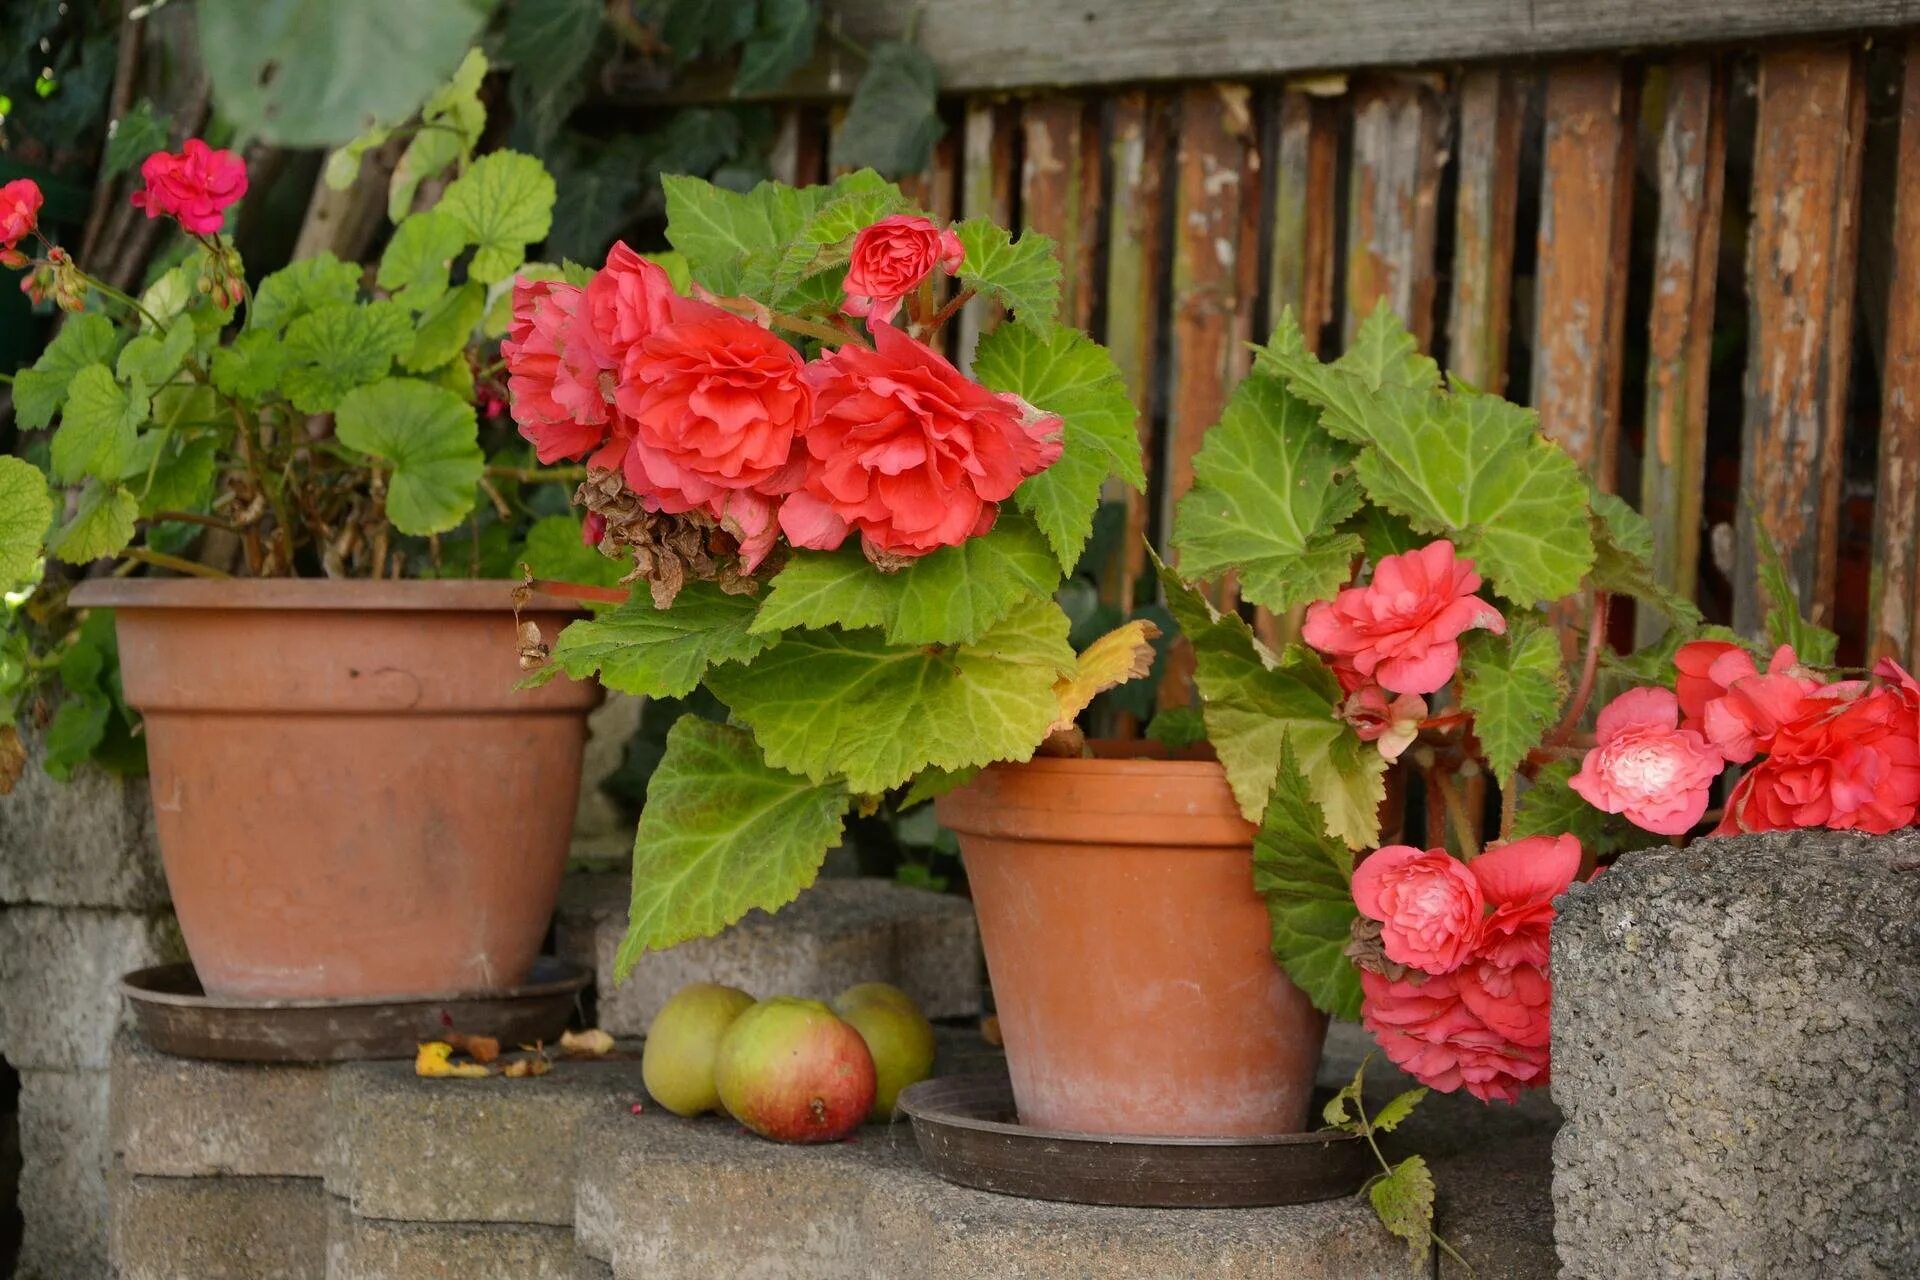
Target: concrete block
<point x="185" y="1117"/>
<point x="834" y="935"/>
<point x="1736" y="1046"/>
<point x="219" y="1228"/>
<point x="87" y="842"/>
<point x="60" y="969"/>
<point x="373" y="1249"/>
<point x="493" y="1150"/>
<point x="63" y="1175"/>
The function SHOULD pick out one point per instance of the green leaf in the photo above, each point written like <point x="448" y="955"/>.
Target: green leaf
<point x="152" y="359"/>
<point x="26" y="509"/>
<point x="76" y="732"/>
<point x="299" y="288"/>
<point x="1257" y="708"/>
<point x="721" y="834"/>
<point x="549" y="44"/>
<point x="136" y="135"/>
<point x="1623" y="560"/>
<point x="1391" y="1116"/>
<point x="1812" y="644"/>
<point x="1305" y="877"/>
<point x="1270" y="491"/>
<point x="847" y="704"/>
<point x="826" y="241"/>
<point x="1335" y="1112"/>
<point x="1063" y="371"/>
<point x="87" y="338"/>
<point x="1403" y="1200"/>
<point x="343" y="165"/>
<point x="101" y="526"/>
<point x="428" y="435"/>
<point x="660" y="653"/>
<point x="1383" y="533"/>
<point x="1383" y="355"/>
<point x="1515" y="686"/>
<point x="954" y="595"/>
<point x="1178" y="727"/>
<point x="332" y="351"/>
<point x="505" y="203"/>
<point x="820" y="589"/>
<point x="251" y="366"/>
<point x="181" y="470"/>
<point x="894" y="118"/>
<point x="1021" y="275"/>
<point x="780" y="45"/>
<point x="931" y="784"/>
<point x="1549" y="807"/>
<point x="451" y="122"/>
<point x="414" y="266"/>
<point x="98" y="426"/>
<point x="722" y="232"/>
<point x="596" y="192"/>
<point x="446" y="327"/>
<point x="313" y="73"/>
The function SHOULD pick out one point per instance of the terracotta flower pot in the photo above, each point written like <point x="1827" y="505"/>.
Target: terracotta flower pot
<point x="352" y="799"/>
<point x="1129" y="952"/>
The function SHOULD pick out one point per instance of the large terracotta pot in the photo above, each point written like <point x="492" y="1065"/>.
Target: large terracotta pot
<point x="351" y="796"/>
<point x="1128" y="950"/>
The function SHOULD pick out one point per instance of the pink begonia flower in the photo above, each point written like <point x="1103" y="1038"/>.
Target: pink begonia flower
<point x="1427" y="1030"/>
<point x="1390" y="726"/>
<point x="1402" y="629"/>
<point x="1724" y="697"/>
<point x="1520" y="880"/>
<point x="891" y="258"/>
<point x="1694" y="684"/>
<point x="1646" y="767"/>
<point x="1516" y="1001"/>
<point x="195" y="186"/>
<point x="1428" y="903"/>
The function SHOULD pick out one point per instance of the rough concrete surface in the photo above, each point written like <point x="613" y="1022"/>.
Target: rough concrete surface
<point x="60" y="971"/>
<point x="370" y="1249"/>
<point x="183" y="1117"/>
<point x="63" y="1174"/>
<point x="1737" y="1052"/>
<point x="86" y="842"/>
<point x="219" y="1228"/>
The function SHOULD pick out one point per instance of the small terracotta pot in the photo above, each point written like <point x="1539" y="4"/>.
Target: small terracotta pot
<point x="352" y="798"/>
<point x="1129" y="953"/>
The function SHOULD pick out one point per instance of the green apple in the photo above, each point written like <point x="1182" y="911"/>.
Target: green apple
<point x="684" y="1040"/>
<point x="898" y="1036"/>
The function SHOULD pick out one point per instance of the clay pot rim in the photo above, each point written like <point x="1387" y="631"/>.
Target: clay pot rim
<point x="1102" y="800"/>
<point x="317" y="595"/>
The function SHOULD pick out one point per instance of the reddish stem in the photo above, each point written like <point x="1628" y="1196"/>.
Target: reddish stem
<point x="580" y="591"/>
<point x="946" y="313"/>
<point x="1596" y="633"/>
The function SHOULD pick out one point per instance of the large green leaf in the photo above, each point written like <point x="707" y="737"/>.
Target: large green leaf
<point x="171" y="473"/>
<point x="1305" y="877"/>
<point x="505" y="202"/>
<point x="659" y="653"/>
<point x="780" y="45"/>
<point x="87" y="338"/>
<point x="736" y="242"/>
<point x="1021" y="275"/>
<point x="25" y="511"/>
<point x="549" y="44"/>
<point x="849" y="705"/>
<point x="1063" y="371"/>
<point x="820" y="589"/>
<point x="1515" y="686"/>
<point x="721" y="834"/>
<point x="302" y="287"/>
<point x="894" y="118"/>
<point x="97" y="427"/>
<point x="1270" y="490"/>
<point x="1258" y="708"/>
<point x="136" y="135"/>
<point x="1623" y="560"/>
<point x="251" y="366"/>
<point x="555" y="551"/>
<point x="446" y="327"/>
<point x="331" y="351"/>
<point x="153" y="359"/>
<point x="414" y="266"/>
<point x="102" y="525"/>
<point x="428" y="435"/>
<point x="313" y="73"/>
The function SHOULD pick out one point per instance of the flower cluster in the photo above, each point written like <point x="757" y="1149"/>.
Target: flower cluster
<point x="701" y="410"/>
<point x="1453" y="961"/>
<point x="1841" y="754"/>
<point x="194" y="187"/>
<point x="20" y="202"/>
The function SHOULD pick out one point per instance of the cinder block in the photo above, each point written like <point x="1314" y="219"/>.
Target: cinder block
<point x="63" y="1175"/>
<point x="837" y="933"/>
<point x="374" y="1249"/>
<point x="87" y="842"/>
<point x="60" y="969"/>
<point x="185" y="1118"/>
<point x="218" y="1228"/>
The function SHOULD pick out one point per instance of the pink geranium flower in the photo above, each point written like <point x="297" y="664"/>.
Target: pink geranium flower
<point x="20" y="202"/>
<point x="195" y="186"/>
<point x="1428" y="903"/>
<point x="1646" y="766"/>
<point x="1402" y="629"/>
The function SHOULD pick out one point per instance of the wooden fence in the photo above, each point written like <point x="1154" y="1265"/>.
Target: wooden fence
<point x="1687" y="232"/>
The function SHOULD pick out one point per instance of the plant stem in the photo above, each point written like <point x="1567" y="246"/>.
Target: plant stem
<point x="165" y="561"/>
<point x="579" y="591"/>
<point x="189" y="517"/>
<point x="811" y="328"/>
<point x="947" y="312"/>
<point x="106" y="290"/>
<point x="539" y="475"/>
<point x="1509" y="804"/>
<point x="1457" y="814"/>
<point x="1596" y="632"/>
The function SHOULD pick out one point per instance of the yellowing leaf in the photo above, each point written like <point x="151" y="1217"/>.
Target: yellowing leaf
<point x="482" y="1049"/>
<point x="1123" y="654"/>
<point x="524" y="1068"/>
<point x="592" y="1043"/>
<point x="434" y="1061"/>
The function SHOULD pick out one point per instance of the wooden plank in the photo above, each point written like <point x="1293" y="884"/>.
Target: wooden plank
<point x="1060" y="192"/>
<point x="1015" y="44"/>
<point x="1586" y="203"/>
<point x="1893" y="599"/>
<point x="1306" y="156"/>
<point x="986" y="191"/>
<point x="1393" y="197"/>
<point x="1692" y="175"/>
<point x="1806" y="181"/>
<point x="1492" y="109"/>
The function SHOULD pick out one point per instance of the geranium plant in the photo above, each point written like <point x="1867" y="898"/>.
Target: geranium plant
<point x="852" y="544"/>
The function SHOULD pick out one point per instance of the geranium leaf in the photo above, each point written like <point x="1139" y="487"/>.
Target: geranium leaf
<point x="446" y="327"/>
<point x="330" y="352"/>
<point x="98" y="426"/>
<point x="153" y="359"/>
<point x="505" y="203"/>
<point x="1021" y="275"/>
<point x="1258" y="707"/>
<point x="181" y="472"/>
<point x="414" y="266"/>
<point x="87" y="338"/>
<point x="429" y="436"/>
<point x="302" y="287"/>
<point x="102" y="525"/>
<point x="721" y="834"/>
<point x="848" y="705"/>
<point x="1063" y="371"/>
<point x="343" y="164"/>
<point x="955" y="594"/>
<point x="1270" y="490"/>
<point x="660" y="653"/>
<point x="1515" y="686"/>
<point x="1305" y="875"/>
<point x="250" y="366"/>
<point x="1403" y="1201"/>
<point x="26" y="508"/>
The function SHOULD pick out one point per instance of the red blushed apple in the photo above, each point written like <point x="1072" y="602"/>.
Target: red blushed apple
<point x="790" y="1070"/>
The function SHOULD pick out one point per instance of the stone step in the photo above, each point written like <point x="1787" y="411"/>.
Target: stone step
<point x="838" y="933"/>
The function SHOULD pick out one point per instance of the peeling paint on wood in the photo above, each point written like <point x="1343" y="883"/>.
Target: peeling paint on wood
<point x="1896" y="511"/>
<point x="1586" y="203"/>
<point x="1060" y="193"/>
<point x="1306" y="134"/>
<point x="1692" y="175"/>
<point x="986" y="191"/>
<point x="1492" y="109"/>
<point x="1800" y="268"/>
<point x="1393" y="195"/>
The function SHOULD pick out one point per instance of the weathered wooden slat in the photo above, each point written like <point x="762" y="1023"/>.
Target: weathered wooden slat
<point x="1492" y="109"/>
<point x="1805" y="235"/>
<point x="1060" y="192"/>
<point x="1010" y="44"/>
<point x="1306" y="155"/>
<point x="1393" y="195"/>
<point x="986" y="191"/>
<point x="1586" y="202"/>
<point x="1692" y="174"/>
<point x="1896" y="504"/>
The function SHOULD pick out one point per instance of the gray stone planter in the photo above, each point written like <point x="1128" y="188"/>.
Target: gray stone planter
<point x="1736" y="1049"/>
